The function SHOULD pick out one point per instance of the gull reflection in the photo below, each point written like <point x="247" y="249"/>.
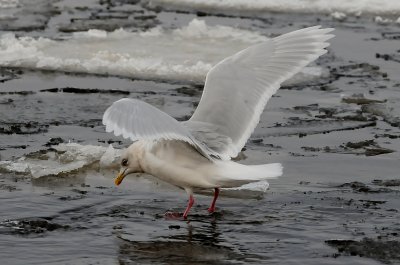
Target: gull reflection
<point x="198" y="244"/>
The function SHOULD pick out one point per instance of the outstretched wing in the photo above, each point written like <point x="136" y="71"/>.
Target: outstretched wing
<point x="237" y="88"/>
<point x="138" y="120"/>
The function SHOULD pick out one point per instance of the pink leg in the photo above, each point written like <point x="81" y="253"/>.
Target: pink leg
<point x="190" y="204"/>
<point x="212" y="207"/>
<point x="175" y="215"/>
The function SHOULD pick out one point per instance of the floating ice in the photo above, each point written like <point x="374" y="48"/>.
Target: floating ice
<point x="186" y="53"/>
<point x="261" y="186"/>
<point x="307" y="6"/>
<point x="382" y="21"/>
<point x="75" y="152"/>
<point x="339" y="16"/>
<point x="110" y="158"/>
<point x="16" y="167"/>
<point x="67" y="159"/>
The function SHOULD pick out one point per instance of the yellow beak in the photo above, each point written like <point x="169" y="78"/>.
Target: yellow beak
<point x="120" y="178"/>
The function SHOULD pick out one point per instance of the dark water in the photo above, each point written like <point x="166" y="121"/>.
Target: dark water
<point x="333" y="205"/>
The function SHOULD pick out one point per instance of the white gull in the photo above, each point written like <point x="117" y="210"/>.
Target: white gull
<point x="196" y="154"/>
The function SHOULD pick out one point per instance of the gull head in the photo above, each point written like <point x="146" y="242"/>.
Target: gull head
<point x="130" y="162"/>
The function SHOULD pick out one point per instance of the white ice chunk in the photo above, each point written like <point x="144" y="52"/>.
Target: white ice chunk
<point x="73" y="152"/>
<point x="110" y="158"/>
<point x="68" y="158"/>
<point x="38" y="170"/>
<point x="186" y="53"/>
<point x="298" y="6"/>
<point x="199" y="29"/>
<point x="260" y="186"/>
<point x="382" y="21"/>
<point x="16" y="167"/>
<point x="340" y="16"/>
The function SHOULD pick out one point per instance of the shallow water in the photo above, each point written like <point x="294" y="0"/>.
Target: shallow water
<point x="331" y="206"/>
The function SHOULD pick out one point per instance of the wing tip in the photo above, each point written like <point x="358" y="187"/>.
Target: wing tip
<point x="308" y="31"/>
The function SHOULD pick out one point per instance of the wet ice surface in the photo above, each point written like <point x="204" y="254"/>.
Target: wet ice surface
<point x="337" y="137"/>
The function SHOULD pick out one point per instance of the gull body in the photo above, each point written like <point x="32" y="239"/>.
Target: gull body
<point x="179" y="164"/>
<point x="196" y="154"/>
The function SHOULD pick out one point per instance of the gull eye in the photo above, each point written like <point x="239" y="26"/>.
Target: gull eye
<point x="124" y="162"/>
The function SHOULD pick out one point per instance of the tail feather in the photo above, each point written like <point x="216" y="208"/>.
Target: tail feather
<point x="233" y="174"/>
<point x="269" y="171"/>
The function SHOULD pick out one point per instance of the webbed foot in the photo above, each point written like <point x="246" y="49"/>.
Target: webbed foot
<point x="173" y="215"/>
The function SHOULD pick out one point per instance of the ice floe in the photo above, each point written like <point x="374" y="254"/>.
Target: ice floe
<point x="183" y="54"/>
<point x="62" y="159"/>
<point x="355" y="7"/>
<point x="340" y="16"/>
<point x="382" y="21"/>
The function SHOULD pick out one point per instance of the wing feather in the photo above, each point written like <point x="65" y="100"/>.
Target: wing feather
<point x="238" y="88"/>
<point x="138" y="120"/>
